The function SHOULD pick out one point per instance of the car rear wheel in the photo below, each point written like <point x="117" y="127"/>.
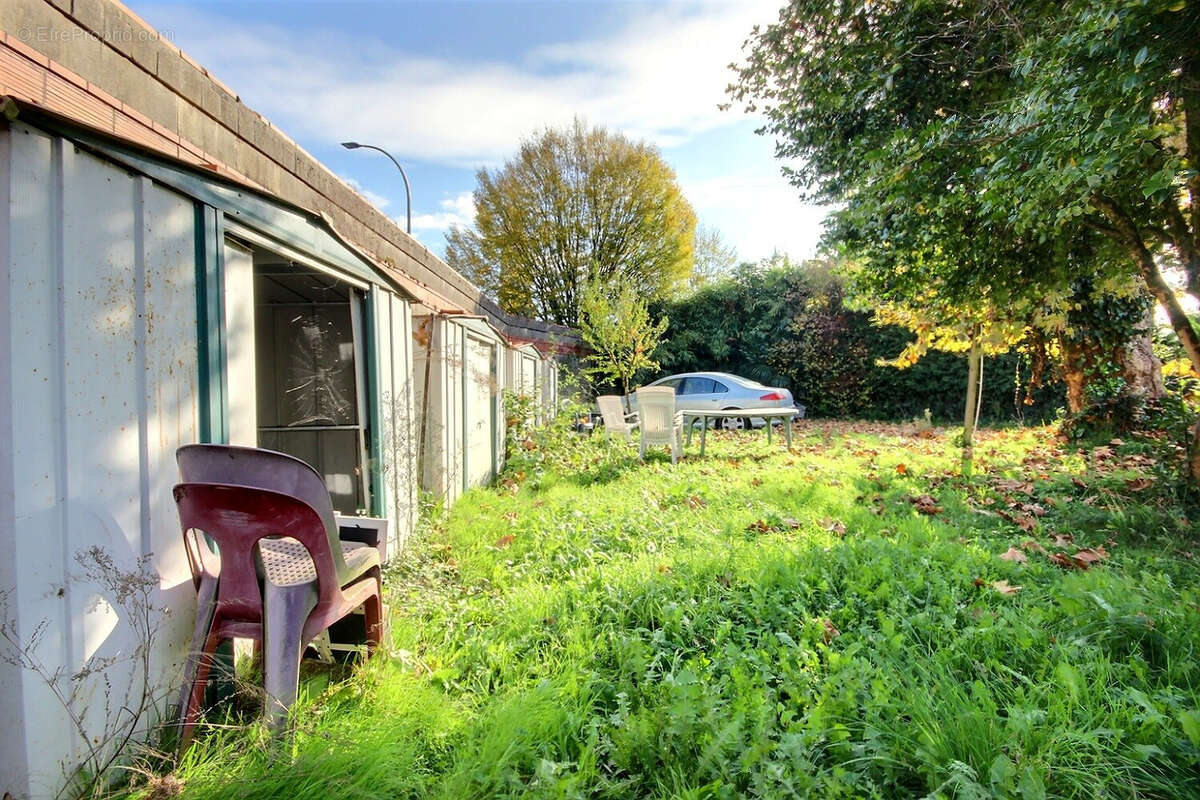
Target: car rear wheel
<point x="735" y="423"/>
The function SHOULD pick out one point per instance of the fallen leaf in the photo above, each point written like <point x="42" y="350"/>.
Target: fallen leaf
<point x="504" y="541"/>
<point x="925" y="504"/>
<point x="1030" y="544"/>
<point x="1079" y="483"/>
<point x="1015" y="555"/>
<point x="1062" y="539"/>
<point x="979" y="582"/>
<point x="1062" y="560"/>
<point x="1138" y="484"/>
<point x="831" y="632"/>
<point x="696" y="501"/>
<point x="901" y="469"/>
<point x="1088" y="556"/>
<point x="1004" y="587"/>
<point x="756" y="482"/>
<point x="834" y="526"/>
<point x="1010" y="485"/>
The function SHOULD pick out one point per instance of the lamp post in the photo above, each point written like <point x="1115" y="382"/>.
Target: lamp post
<point x="407" y="190"/>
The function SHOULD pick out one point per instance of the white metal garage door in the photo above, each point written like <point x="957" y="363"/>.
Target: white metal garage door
<point x="480" y="418"/>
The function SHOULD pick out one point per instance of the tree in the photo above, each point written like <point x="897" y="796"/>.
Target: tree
<point x="616" y="324"/>
<point x="713" y="257"/>
<point x="1060" y="139"/>
<point x="574" y="207"/>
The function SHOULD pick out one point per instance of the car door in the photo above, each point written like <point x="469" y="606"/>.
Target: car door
<point x="697" y="394"/>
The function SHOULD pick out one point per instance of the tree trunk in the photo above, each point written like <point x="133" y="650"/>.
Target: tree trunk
<point x="1127" y="234"/>
<point x="1140" y="368"/>
<point x="971" y="412"/>
<point x="1076" y="362"/>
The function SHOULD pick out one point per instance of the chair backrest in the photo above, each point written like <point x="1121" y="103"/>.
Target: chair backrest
<point x="656" y="410"/>
<point x="237" y="517"/>
<point x="612" y="409"/>
<point x="256" y="468"/>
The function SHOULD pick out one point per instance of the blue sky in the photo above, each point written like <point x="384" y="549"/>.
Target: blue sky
<point x="449" y="87"/>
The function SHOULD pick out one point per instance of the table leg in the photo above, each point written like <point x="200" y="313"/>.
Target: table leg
<point x="789" y="422"/>
<point x="768" y="420"/>
<point x="688" y="423"/>
<point x="703" y="437"/>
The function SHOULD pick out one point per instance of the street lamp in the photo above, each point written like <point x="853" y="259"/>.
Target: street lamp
<point x="407" y="190"/>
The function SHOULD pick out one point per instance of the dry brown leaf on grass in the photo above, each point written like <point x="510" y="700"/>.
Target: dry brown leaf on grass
<point x="1014" y="555"/>
<point x="696" y="501"/>
<point x="756" y="482"/>
<point x="504" y="541"/>
<point x="1062" y="560"/>
<point x="1062" y="539"/>
<point x="1030" y="544"/>
<point x="901" y="469"/>
<point x="1138" y="484"/>
<point x="925" y="504"/>
<point x="1032" y="508"/>
<point x="831" y="632"/>
<point x="1011" y="485"/>
<point x="1022" y="521"/>
<point x="834" y="526"/>
<point x="1089" y="555"/>
<point x="1004" y="587"/>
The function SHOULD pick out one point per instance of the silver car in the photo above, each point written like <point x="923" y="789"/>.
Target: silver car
<point x="714" y="391"/>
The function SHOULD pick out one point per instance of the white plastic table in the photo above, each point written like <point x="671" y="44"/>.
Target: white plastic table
<point x="785" y="414"/>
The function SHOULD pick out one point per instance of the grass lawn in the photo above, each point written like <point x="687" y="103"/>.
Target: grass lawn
<point x="846" y="620"/>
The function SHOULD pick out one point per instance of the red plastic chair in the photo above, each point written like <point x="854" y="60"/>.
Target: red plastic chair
<point x="281" y="577"/>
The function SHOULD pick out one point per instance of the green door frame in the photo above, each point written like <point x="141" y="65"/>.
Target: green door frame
<point x="213" y="398"/>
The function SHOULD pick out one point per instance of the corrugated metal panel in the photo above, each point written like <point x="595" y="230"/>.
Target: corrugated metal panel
<point x="480" y="421"/>
<point x="101" y="270"/>
<point x="393" y="321"/>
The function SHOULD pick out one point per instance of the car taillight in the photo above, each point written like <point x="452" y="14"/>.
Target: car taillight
<point x="772" y="396"/>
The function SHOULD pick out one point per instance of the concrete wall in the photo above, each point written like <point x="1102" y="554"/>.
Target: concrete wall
<point x="99" y="377"/>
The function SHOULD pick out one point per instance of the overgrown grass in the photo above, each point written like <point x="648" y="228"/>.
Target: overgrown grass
<point x="759" y="623"/>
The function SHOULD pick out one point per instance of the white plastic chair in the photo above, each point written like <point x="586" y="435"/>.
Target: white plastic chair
<point x="615" y="419"/>
<point x="660" y="422"/>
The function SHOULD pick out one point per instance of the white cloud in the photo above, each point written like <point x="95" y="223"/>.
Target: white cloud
<point x="660" y="78"/>
<point x="760" y="213"/>
<point x="458" y="210"/>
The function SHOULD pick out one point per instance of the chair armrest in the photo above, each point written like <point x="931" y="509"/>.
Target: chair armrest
<point x="632" y="415"/>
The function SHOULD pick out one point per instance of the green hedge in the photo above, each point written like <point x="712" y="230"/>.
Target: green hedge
<point x="787" y="325"/>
